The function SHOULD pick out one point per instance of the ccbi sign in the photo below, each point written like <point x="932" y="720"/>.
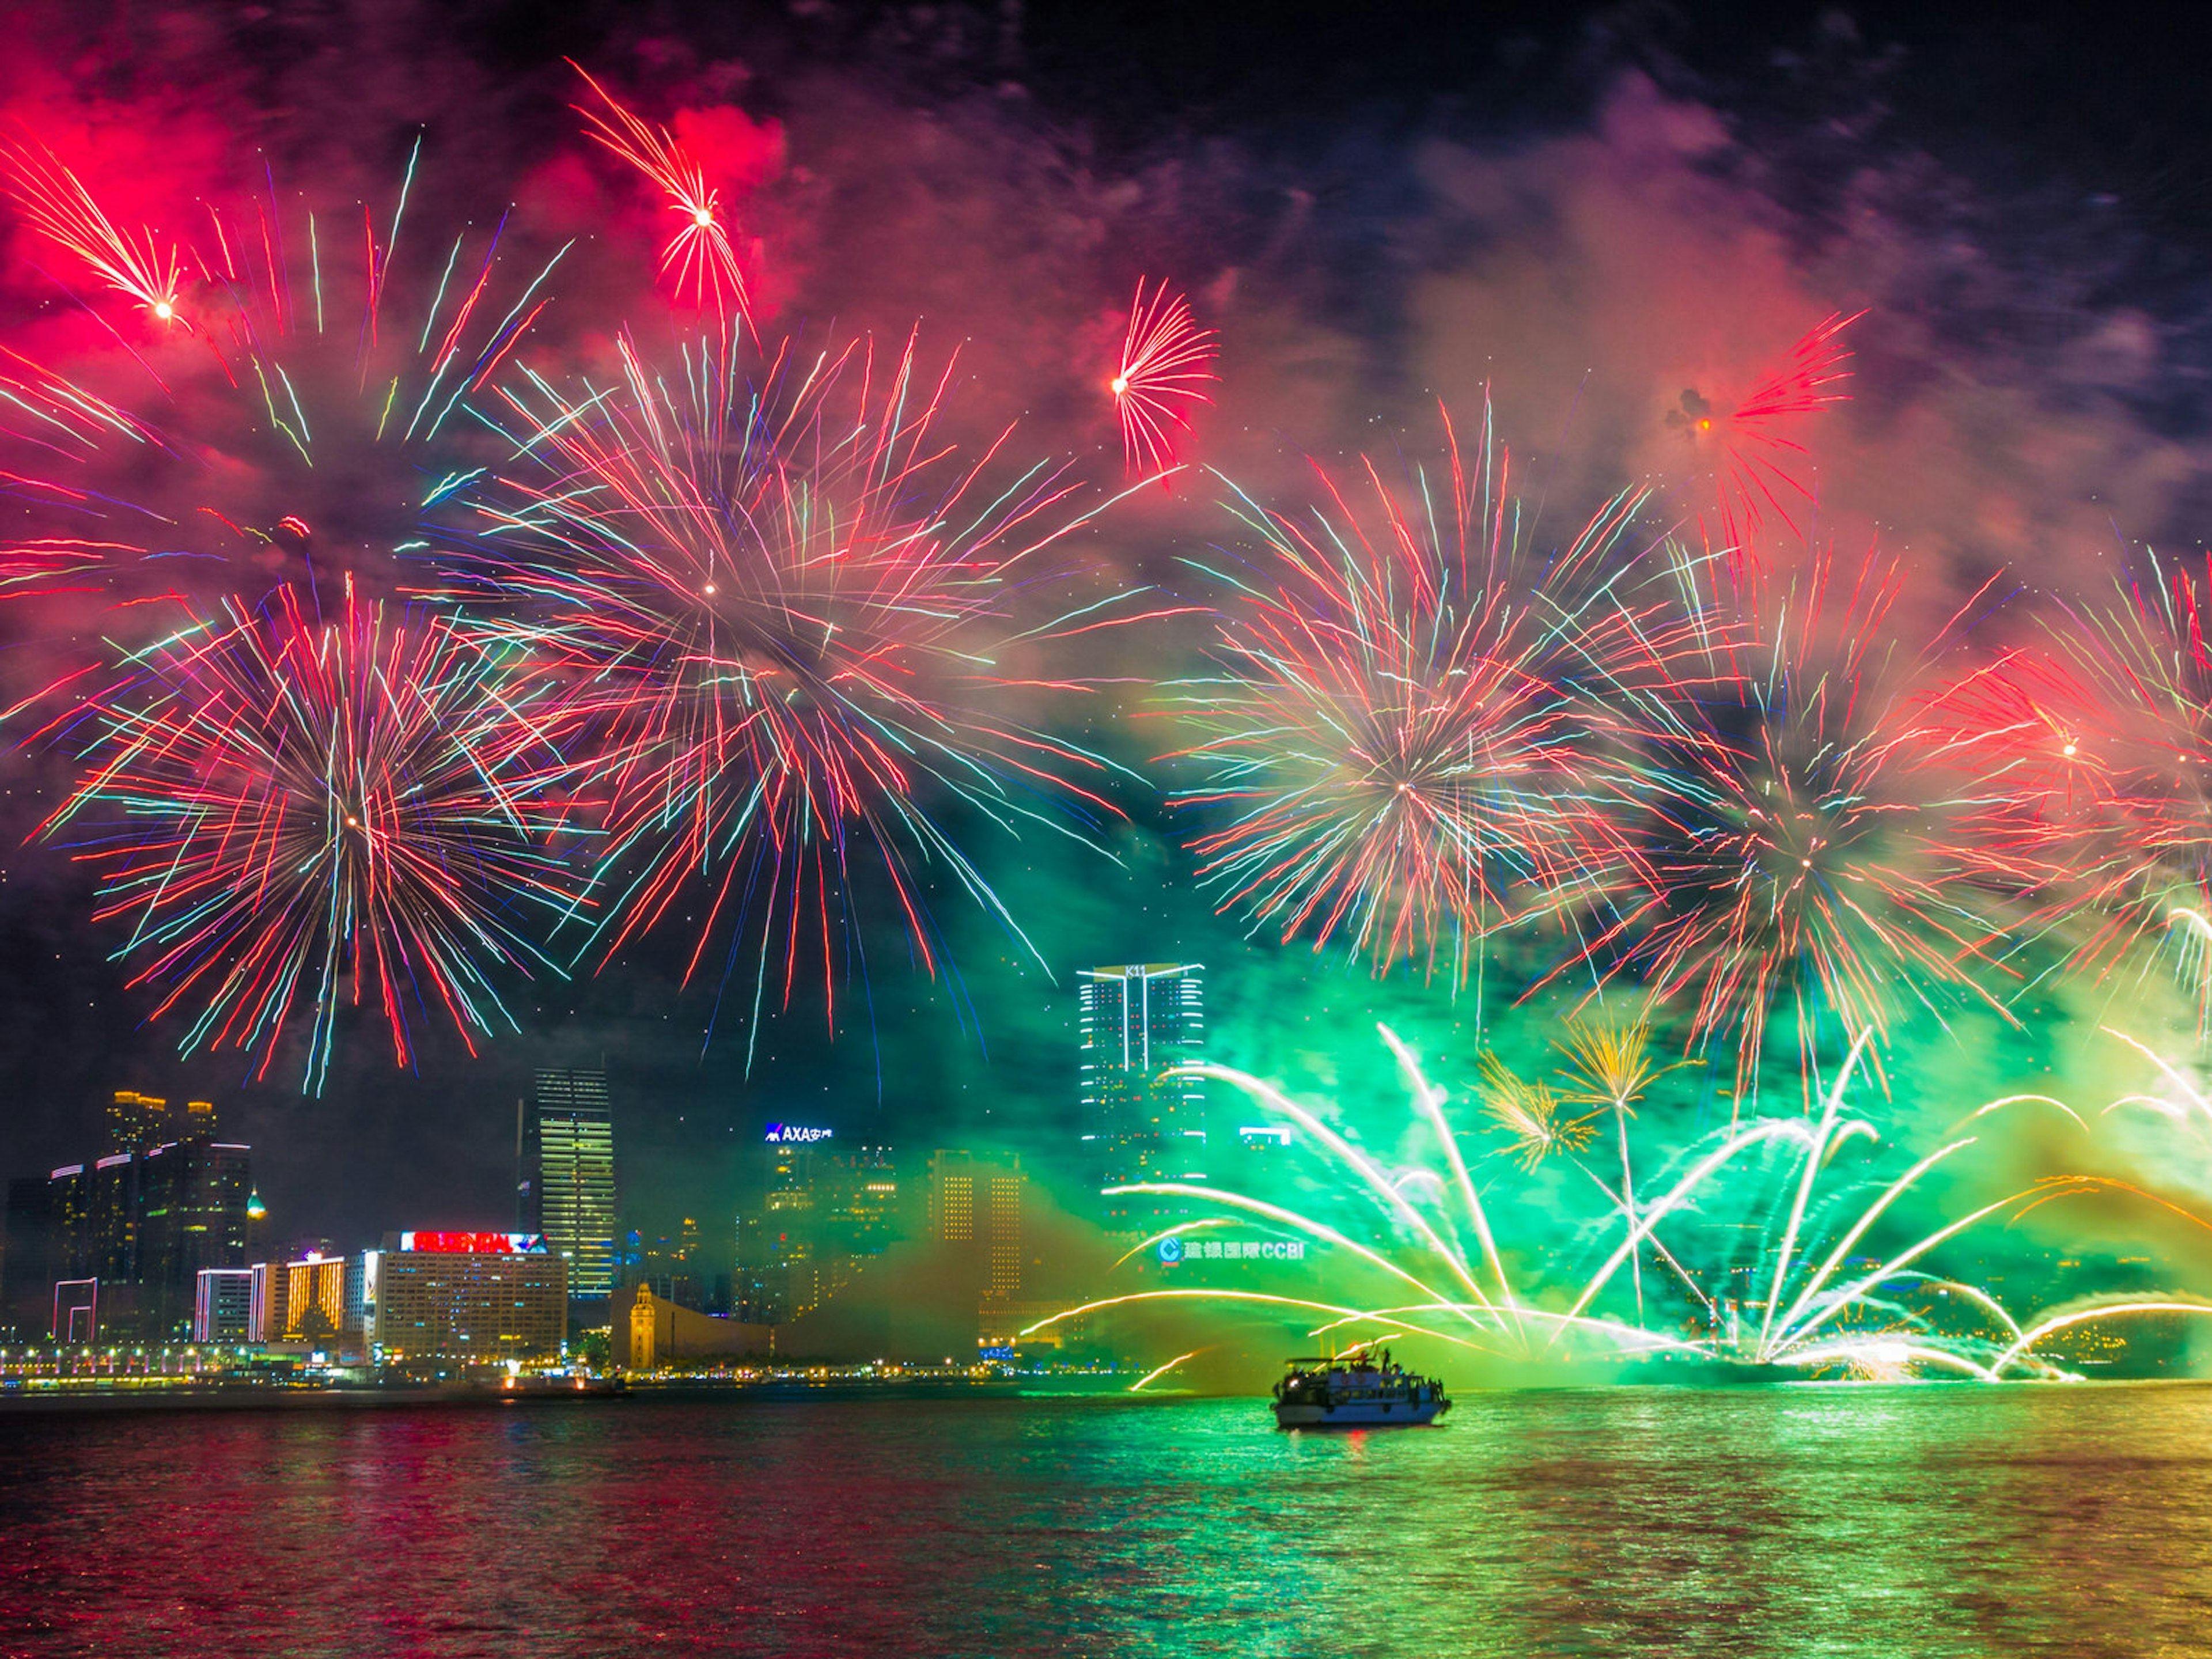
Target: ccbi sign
<point x="1174" y="1250"/>
<point x="791" y="1133"/>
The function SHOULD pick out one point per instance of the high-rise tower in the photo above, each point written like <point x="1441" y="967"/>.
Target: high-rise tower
<point x="1139" y="1023"/>
<point x="576" y="1177"/>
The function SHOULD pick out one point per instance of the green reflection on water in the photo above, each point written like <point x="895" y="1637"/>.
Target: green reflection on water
<point x="1804" y="1521"/>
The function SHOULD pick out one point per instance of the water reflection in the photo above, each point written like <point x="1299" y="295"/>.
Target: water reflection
<point x="1800" y="1521"/>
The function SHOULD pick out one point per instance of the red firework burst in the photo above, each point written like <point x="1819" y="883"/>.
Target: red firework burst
<point x="790" y="600"/>
<point x="700" y="251"/>
<point x="1161" y="377"/>
<point x="1757" y="467"/>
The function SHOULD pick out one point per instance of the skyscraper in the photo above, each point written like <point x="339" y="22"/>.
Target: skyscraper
<point x="975" y="1206"/>
<point x="576" y="1177"/>
<point x="192" y="1199"/>
<point x="135" y="1122"/>
<point x="1140" y="1022"/>
<point x="823" y="1211"/>
<point x="139" y="1123"/>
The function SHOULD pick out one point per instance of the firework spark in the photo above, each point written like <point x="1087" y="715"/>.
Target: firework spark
<point x="298" y="817"/>
<point x="1161" y="377"/>
<point x="318" y="409"/>
<point x="700" y="251"/>
<point x="55" y="203"/>
<point x="1530" y="1116"/>
<point x="2104" y="738"/>
<point x="1757" y="467"/>
<point x="1827" y="1298"/>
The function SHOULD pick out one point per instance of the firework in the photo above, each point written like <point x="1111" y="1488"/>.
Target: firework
<point x="1609" y="1067"/>
<point x="54" y="201"/>
<point x="1161" y="378"/>
<point x="1815" y="1294"/>
<point x="700" y="252"/>
<point x="298" y="816"/>
<point x="314" y="403"/>
<point x="2104" y="738"/>
<point x="1530" y="1116"/>
<point x="65" y="427"/>
<point x="1811" y="841"/>
<point x="1756" y="465"/>
<point x="791" y="599"/>
<point x="1405" y="745"/>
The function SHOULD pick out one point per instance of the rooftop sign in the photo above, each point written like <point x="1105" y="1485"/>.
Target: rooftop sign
<point x="793" y="1133"/>
<point x="452" y="1243"/>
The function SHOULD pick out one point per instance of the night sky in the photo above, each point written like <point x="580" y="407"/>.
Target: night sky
<point x="1590" y="211"/>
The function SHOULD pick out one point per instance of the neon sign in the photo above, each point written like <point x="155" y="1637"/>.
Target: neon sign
<point x="455" y="1243"/>
<point x="794" y="1134"/>
<point x="1233" y="1249"/>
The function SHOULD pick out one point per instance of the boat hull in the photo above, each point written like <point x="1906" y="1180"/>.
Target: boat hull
<point x="1360" y="1414"/>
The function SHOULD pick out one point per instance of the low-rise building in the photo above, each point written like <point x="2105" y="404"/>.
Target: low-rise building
<point x="223" y="1305"/>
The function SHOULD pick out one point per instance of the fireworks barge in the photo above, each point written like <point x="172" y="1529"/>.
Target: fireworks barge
<point x="1356" y="1394"/>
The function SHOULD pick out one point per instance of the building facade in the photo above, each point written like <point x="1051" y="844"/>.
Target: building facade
<point x="821" y="1210"/>
<point x="139" y="1123"/>
<point x="1139" y="1120"/>
<point x="223" y="1306"/>
<point x="142" y="1224"/>
<point x="472" y="1297"/>
<point x="576" y="1177"/>
<point x="975" y="1207"/>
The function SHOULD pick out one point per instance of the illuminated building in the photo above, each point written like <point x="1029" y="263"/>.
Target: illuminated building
<point x="824" y="1209"/>
<point x="1140" y="1022"/>
<point x="1263" y="1155"/>
<point x="467" y="1296"/>
<point x="652" y="1331"/>
<point x="975" y="1206"/>
<point x="270" y="1310"/>
<point x="142" y="1223"/>
<point x="315" y="1298"/>
<point x="223" y="1305"/>
<point x="576" y="1177"/>
<point x="135" y="1121"/>
<point x="111" y="1208"/>
<point x="194" y="1197"/>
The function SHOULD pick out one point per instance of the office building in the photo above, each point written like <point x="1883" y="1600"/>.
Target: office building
<point x="1141" y="1122"/>
<point x="139" y="1123"/>
<point x="975" y="1207"/>
<point x="193" y="1202"/>
<point x="471" y="1296"/>
<point x="223" y="1305"/>
<point x="821" y="1210"/>
<point x="135" y="1122"/>
<point x="576" y="1177"/>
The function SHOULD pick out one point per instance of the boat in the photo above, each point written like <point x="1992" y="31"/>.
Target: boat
<point x="1364" y="1392"/>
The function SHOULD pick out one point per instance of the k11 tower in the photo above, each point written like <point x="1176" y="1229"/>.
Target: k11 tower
<point x="1139" y="1023"/>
